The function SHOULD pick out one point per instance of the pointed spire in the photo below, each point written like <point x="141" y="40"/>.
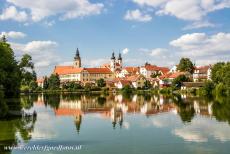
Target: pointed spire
<point x="77" y="54"/>
<point x="113" y="56"/>
<point x="119" y="57"/>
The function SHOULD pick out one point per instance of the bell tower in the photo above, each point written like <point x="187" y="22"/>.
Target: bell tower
<point x="120" y="60"/>
<point x="77" y="59"/>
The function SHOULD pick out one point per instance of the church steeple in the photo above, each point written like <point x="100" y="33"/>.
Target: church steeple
<point x="77" y="59"/>
<point x="119" y="57"/>
<point x="77" y="54"/>
<point x="113" y="56"/>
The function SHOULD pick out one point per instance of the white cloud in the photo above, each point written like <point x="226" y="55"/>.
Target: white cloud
<point x="44" y="54"/>
<point x="198" y="131"/>
<point x="189" y="10"/>
<point x="200" y="44"/>
<point x="13" y="34"/>
<point x="201" y="48"/>
<point x="125" y="51"/>
<point x="94" y="62"/>
<point x="158" y="52"/>
<point x="11" y="13"/>
<point x="199" y="24"/>
<point x="137" y="15"/>
<point x="153" y="3"/>
<point x="67" y="9"/>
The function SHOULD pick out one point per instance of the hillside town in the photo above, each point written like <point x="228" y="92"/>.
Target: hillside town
<point x="117" y="76"/>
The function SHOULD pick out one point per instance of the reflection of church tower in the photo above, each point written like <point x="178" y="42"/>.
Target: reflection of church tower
<point x="78" y="122"/>
<point x="77" y="59"/>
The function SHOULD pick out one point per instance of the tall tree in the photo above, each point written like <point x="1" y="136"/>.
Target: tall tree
<point x="45" y="84"/>
<point x="27" y="68"/>
<point x="186" y="65"/>
<point x="10" y="74"/>
<point x="54" y="82"/>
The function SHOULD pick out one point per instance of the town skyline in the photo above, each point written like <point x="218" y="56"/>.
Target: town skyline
<point x="156" y="31"/>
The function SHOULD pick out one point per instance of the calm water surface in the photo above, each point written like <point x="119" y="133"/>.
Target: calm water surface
<point x="120" y="124"/>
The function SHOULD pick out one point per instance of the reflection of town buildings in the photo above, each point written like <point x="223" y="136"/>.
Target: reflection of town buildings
<point x="116" y="107"/>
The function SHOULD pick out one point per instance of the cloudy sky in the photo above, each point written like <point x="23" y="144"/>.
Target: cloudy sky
<point x="157" y="31"/>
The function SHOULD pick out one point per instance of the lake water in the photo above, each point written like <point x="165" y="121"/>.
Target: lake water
<point x="117" y="124"/>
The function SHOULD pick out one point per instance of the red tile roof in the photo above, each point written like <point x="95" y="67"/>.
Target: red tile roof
<point x="164" y="70"/>
<point x="132" y="69"/>
<point x="202" y="69"/>
<point x="172" y="75"/>
<point x="62" y="70"/>
<point x="149" y="67"/>
<point x="133" y="78"/>
<point x="98" y="70"/>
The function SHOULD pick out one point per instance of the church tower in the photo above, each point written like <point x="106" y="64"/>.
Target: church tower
<point x="113" y="62"/>
<point x="77" y="59"/>
<point x="120" y="60"/>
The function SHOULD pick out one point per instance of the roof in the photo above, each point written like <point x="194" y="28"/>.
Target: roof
<point x="123" y="82"/>
<point x="164" y="70"/>
<point x="172" y="75"/>
<point x="98" y="70"/>
<point x="133" y="78"/>
<point x="193" y="84"/>
<point x="62" y="70"/>
<point x="150" y="67"/>
<point x="131" y="69"/>
<point x="202" y="69"/>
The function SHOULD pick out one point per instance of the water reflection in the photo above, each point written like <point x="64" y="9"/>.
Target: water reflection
<point x="74" y="117"/>
<point x="116" y="107"/>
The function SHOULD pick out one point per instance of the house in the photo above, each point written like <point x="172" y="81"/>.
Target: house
<point x="166" y="80"/>
<point x="174" y="69"/>
<point x="40" y="82"/>
<point x="191" y="85"/>
<point x="138" y="81"/>
<point x="202" y="73"/>
<point x="154" y="82"/>
<point x="152" y="70"/>
<point x="121" y="83"/>
<point x="127" y="71"/>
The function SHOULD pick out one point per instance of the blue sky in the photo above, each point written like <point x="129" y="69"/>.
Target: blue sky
<point x="157" y="31"/>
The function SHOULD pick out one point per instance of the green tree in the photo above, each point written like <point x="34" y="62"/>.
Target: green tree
<point x="221" y="77"/>
<point x="54" y="82"/>
<point x="45" y="84"/>
<point x="208" y="88"/>
<point x="217" y="71"/>
<point x="177" y="82"/>
<point x="27" y="69"/>
<point x="10" y="74"/>
<point x="101" y="83"/>
<point x="147" y="84"/>
<point x="186" y="65"/>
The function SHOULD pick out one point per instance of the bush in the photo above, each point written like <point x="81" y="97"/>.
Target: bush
<point x="127" y="89"/>
<point x="208" y="88"/>
<point x="220" y="89"/>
